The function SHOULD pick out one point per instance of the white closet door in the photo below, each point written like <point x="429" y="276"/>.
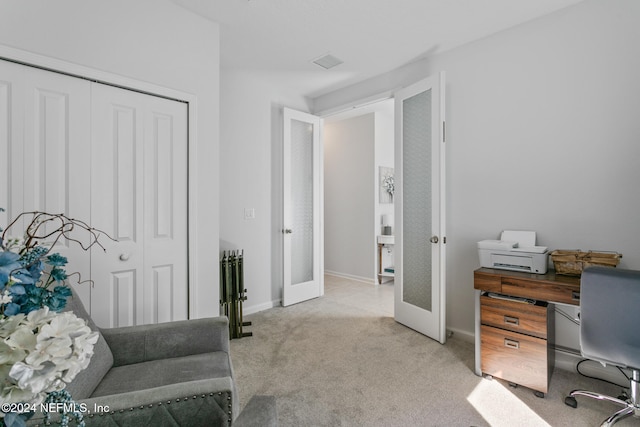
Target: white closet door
<point x="12" y="92"/>
<point x="44" y="147"/>
<point x="139" y="196"/>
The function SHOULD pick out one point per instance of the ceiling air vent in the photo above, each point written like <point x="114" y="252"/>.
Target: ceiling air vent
<point x="327" y="61"/>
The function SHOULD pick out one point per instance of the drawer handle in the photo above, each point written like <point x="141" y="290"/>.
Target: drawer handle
<point x="511" y="343"/>
<point x="513" y="321"/>
<point x="575" y="296"/>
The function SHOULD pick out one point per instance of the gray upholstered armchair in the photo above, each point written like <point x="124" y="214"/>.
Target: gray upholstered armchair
<point x="168" y="374"/>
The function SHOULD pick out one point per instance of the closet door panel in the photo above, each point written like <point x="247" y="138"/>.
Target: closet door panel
<point x="165" y="210"/>
<point x="6" y="128"/>
<point x="44" y="145"/>
<point x="56" y="171"/>
<point x="117" y="207"/>
<point x="139" y="195"/>
<point x="12" y="88"/>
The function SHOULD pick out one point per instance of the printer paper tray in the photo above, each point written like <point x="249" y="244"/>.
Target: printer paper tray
<point x="511" y="262"/>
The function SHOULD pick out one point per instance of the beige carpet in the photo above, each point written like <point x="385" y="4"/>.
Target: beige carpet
<point x="341" y="360"/>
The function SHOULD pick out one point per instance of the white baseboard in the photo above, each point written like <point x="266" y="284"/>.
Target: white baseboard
<point x="367" y="280"/>
<point x="463" y="335"/>
<point x="260" y="307"/>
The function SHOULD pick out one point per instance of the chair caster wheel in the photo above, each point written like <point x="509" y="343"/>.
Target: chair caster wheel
<point x="539" y="394"/>
<point x="571" y="401"/>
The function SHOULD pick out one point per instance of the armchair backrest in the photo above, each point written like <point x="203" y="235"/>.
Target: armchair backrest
<point x="85" y="382"/>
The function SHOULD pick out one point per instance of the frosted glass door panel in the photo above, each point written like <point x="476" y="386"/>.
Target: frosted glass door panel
<point x="302" y="202"/>
<point x="416" y="190"/>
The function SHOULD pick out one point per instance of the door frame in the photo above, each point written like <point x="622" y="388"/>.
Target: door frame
<point x="384" y="95"/>
<point x="82" y="72"/>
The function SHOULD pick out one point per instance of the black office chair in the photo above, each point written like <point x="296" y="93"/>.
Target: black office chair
<point x="609" y="334"/>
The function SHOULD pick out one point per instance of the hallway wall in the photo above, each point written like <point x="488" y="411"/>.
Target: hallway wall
<point x="349" y="148"/>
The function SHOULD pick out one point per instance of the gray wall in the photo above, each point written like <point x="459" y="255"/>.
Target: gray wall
<point x="251" y="177"/>
<point x="349" y="178"/>
<point x="543" y="134"/>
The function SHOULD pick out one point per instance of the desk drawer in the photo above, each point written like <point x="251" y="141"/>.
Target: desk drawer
<point x="540" y="291"/>
<point x="487" y="282"/>
<point x="530" y="319"/>
<point x="514" y="357"/>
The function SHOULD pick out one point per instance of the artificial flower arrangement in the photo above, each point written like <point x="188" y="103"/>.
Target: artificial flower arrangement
<point x="388" y="184"/>
<point x="41" y="348"/>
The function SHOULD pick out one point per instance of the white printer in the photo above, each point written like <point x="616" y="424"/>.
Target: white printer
<point x="516" y="250"/>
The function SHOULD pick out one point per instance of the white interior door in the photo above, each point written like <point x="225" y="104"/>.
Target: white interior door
<point x="419" y="208"/>
<point x="302" y="210"/>
<point x="139" y="197"/>
<point x="44" y="147"/>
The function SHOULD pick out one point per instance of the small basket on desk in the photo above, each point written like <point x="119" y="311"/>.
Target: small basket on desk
<point x="573" y="262"/>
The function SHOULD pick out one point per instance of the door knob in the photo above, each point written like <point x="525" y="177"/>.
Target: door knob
<point x="434" y="239"/>
<point x="287" y="231"/>
<point x="124" y="257"/>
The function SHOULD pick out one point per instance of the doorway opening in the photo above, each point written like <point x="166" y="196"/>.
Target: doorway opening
<point x="358" y="195"/>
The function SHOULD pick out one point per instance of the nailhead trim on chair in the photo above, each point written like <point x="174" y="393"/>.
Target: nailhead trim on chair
<point x="160" y="404"/>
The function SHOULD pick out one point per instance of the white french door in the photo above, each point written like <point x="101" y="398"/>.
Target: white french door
<point x="139" y="197"/>
<point x="302" y="208"/>
<point x="420" y="208"/>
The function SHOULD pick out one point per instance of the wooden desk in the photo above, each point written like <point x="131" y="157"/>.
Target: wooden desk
<point x="514" y="339"/>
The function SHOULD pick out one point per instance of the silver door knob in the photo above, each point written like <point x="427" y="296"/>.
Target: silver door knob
<point x="287" y="231"/>
<point x="434" y="239"/>
<point x="124" y="257"/>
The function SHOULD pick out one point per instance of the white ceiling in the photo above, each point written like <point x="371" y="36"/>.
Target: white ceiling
<point x="281" y="37"/>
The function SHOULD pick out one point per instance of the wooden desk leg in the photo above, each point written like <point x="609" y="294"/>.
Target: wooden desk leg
<point x="380" y="245"/>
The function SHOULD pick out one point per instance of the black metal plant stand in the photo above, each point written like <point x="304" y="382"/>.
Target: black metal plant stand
<point x="232" y="292"/>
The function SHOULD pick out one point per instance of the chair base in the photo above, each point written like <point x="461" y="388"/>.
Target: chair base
<point x="631" y="406"/>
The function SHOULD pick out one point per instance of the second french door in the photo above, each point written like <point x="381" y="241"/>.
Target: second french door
<point x="420" y="208"/>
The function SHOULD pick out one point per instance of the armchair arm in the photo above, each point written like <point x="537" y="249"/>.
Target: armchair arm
<point x="136" y="344"/>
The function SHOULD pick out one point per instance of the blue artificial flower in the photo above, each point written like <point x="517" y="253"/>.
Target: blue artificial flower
<point x="35" y="298"/>
<point x="62" y="291"/>
<point x="25" y="277"/>
<point x="18" y="296"/>
<point x="16" y="290"/>
<point x="8" y="263"/>
<point x="58" y="298"/>
<point x="35" y="270"/>
<point x="58" y="274"/>
<point x="56" y="260"/>
<point x="11" y="309"/>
